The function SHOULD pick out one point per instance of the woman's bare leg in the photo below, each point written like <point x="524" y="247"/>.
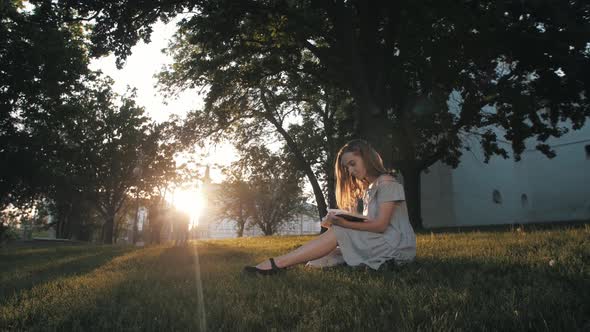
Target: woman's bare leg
<point x="316" y="248"/>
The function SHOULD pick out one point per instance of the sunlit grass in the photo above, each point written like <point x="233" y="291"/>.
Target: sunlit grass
<point x="464" y="281"/>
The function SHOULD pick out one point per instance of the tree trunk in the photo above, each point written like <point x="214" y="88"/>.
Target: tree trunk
<point x="304" y="164"/>
<point x="157" y="231"/>
<point x="59" y="226"/>
<point x="135" y="228"/>
<point x="240" y="229"/>
<point x="241" y="221"/>
<point x="331" y="183"/>
<point x="3" y="229"/>
<point x="412" y="187"/>
<point x="108" y="230"/>
<point x="317" y="190"/>
<point x="266" y="227"/>
<point x="61" y="229"/>
<point x="331" y="151"/>
<point x="75" y="222"/>
<point x="66" y="227"/>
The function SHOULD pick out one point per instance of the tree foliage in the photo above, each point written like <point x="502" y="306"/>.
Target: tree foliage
<point x="236" y="200"/>
<point x="43" y="60"/>
<point x="261" y="190"/>
<point x="400" y="61"/>
<point x="68" y="143"/>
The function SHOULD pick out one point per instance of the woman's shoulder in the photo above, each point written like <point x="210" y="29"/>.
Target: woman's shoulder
<point x="389" y="189"/>
<point x="388" y="180"/>
<point x="385" y="178"/>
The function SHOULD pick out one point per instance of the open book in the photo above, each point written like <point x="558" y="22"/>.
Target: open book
<point x="348" y="215"/>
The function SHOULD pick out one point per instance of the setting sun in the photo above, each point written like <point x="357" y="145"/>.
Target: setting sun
<point x="189" y="201"/>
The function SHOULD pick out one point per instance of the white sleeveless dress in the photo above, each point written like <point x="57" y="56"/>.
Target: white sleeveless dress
<point x="397" y="243"/>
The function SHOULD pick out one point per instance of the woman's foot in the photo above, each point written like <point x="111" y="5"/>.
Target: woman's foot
<point x="265" y="265"/>
<point x="268" y="267"/>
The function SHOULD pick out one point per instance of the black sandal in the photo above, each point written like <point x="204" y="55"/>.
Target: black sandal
<point x="273" y="270"/>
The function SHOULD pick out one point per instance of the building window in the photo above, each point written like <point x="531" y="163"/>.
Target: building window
<point x="497" y="197"/>
<point x="524" y="200"/>
<point x="587" y="147"/>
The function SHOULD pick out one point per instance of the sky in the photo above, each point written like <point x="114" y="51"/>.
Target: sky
<point x="145" y="61"/>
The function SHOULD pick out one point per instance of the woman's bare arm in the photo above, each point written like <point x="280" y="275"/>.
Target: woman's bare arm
<point x="377" y="225"/>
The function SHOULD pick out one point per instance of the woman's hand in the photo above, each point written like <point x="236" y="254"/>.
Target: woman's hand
<point x="326" y="222"/>
<point x="331" y="219"/>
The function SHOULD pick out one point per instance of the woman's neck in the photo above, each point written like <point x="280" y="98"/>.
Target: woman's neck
<point x="370" y="179"/>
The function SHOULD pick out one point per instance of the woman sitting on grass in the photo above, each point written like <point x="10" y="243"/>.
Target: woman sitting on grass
<point x="386" y="233"/>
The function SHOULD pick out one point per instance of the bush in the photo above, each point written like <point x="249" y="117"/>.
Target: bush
<point x="8" y="233"/>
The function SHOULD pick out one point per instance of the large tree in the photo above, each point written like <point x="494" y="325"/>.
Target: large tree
<point x="43" y="61"/>
<point x="401" y="61"/>
<point x="251" y="102"/>
<point x="67" y="142"/>
<point x="125" y="140"/>
<point x="105" y="150"/>
<point x="236" y="200"/>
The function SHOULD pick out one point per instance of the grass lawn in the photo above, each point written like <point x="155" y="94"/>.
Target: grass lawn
<point x="460" y="281"/>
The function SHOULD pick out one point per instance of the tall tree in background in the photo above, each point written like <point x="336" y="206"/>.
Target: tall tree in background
<point x="67" y="142"/>
<point x="401" y="61"/>
<point x="236" y="201"/>
<point x="96" y="148"/>
<point x="43" y="61"/>
<point x="116" y="138"/>
<point x="269" y="191"/>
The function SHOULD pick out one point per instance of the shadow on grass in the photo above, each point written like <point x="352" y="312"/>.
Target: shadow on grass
<point x="159" y="290"/>
<point x="23" y="271"/>
<point x="469" y="294"/>
<point x="501" y="228"/>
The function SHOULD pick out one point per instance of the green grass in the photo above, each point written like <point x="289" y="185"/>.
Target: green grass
<point x="463" y="281"/>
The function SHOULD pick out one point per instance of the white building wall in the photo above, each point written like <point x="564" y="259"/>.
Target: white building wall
<point x="556" y="189"/>
<point x="227" y="228"/>
<point x="474" y="183"/>
<point x="437" y="203"/>
<point x="560" y="187"/>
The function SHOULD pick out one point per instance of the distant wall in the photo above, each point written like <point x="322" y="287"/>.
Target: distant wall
<point x="560" y="187"/>
<point x="437" y="201"/>
<point x="535" y="189"/>
<point x="227" y="228"/>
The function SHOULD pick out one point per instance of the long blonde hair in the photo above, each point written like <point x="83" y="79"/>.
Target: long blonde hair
<point x="348" y="188"/>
